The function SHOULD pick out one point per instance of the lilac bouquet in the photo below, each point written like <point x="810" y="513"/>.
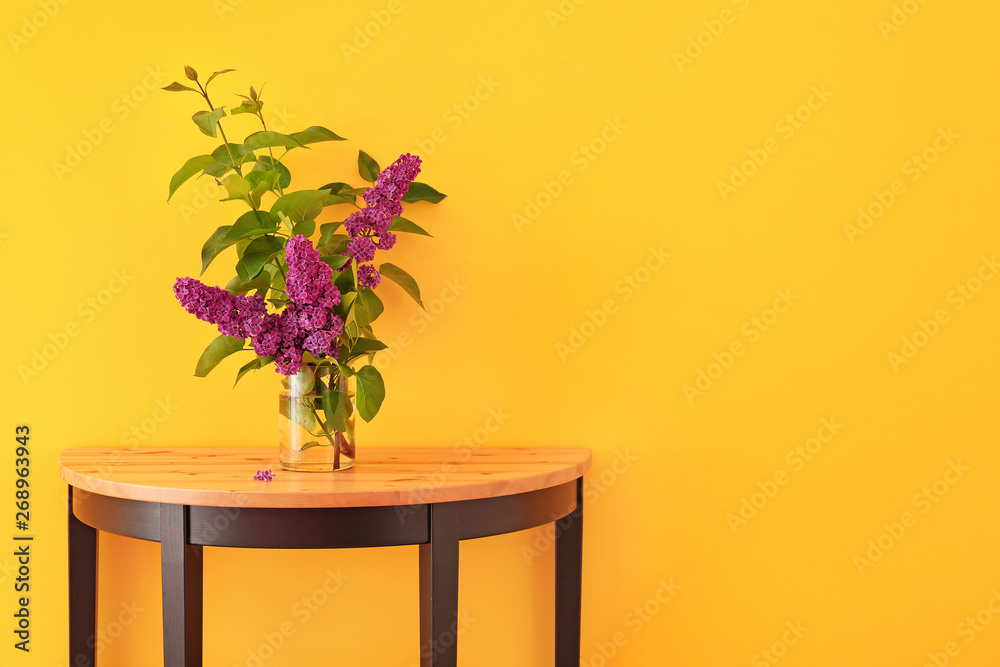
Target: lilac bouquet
<point x="295" y="302"/>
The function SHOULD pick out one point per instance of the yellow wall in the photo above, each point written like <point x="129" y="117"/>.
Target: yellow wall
<point x="738" y="137"/>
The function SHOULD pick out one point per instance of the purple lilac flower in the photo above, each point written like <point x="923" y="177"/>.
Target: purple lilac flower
<point x="308" y="318"/>
<point x="368" y="276"/>
<point x="320" y="343"/>
<point x="362" y="249"/>
<point x="264" y="475"/>
<point x="237" y="316"/>
<point x="289" y="360"/>
<point x="386" y="241"/>
<point x="393" y="182"/>
<point x="308" y="281"/>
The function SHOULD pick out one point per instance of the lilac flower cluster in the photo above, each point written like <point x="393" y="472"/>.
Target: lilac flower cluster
<point x="237" y="316"/>
<point x="368" y="228"/>
<point x="264" y="475"/>
<point x="307" y="324"/>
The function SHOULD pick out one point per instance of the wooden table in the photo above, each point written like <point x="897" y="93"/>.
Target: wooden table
<point x="190" y="498"/>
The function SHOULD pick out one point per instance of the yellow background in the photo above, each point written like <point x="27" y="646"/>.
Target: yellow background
<point x="660" y="516"/>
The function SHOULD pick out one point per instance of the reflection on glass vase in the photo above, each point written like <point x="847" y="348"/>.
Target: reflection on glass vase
<point x="316" y="409"/>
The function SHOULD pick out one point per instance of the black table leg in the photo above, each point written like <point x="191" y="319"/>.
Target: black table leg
<point x="82" y="589"/>
<point x="569" y="581"/>
<point x="182" y="572"/>
<point x="439" y="589"/>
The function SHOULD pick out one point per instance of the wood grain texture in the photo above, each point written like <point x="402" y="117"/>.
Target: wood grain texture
<point x="222" y="477"/>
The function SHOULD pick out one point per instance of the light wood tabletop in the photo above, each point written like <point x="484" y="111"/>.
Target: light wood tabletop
<point x="223" y="477"/>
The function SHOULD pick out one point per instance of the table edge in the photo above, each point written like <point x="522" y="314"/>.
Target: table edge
<point x="360" y="498"/>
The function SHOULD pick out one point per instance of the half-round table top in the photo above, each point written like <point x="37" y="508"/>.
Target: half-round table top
<point x="223" y="477"/>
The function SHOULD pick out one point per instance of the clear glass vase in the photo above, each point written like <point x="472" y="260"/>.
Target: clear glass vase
<point x="316" y="411"/>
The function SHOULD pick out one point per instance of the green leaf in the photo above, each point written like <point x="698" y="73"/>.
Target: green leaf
<point x="217" y="350"/>
<point x="190" y="168"/>
<point x="333" y="200"/>
<point x="237" y="187"/>
<point x="336" y="244"/>
<point x="178" y="87"/>
<point x="303" y="382"/>
<point x="367" y="308"/>
<point x="305" y="228"/>
<point x="268" y="139"/>
<point x="215" y="244"/>
<point x="367" y="167"/>
<point x="371" y="392"/>
<point x="301" y="205"/>
<point x="403" y="279"/>
<point x="422" y="192"/>
<point x="247" y="107"/>
<point x="207" y="121"/>
<point x="217" y="170"/>
<point x="262" y="181"/>
<point x="335" y="406"/>
<point x="345" y="283"/>
<point x="239" y="154"/>
<point x="258" y="253"/>
<point x="252" y="223"/>
<point x="335" y="261"/>
<point x="314" y="134"/>
<point x="408" y="226"/>
<point x="311" y="444"/>
<point x="261" y="283"/>
<point x="215" y="74"/>
<point x="294" y="410"/>
<point x="326" y="230"/>
<point x="363" y="346"/>
<point x="266" y="163"/>
<point x="340" y="189"/>
<point x="346" y="301"/>
<point x="247" y="367"/>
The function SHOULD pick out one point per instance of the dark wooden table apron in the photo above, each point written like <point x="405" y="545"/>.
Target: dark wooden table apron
<point x="183" y="530"/>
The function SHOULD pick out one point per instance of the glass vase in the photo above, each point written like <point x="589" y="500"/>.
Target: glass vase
<point x="316" y="417"/>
